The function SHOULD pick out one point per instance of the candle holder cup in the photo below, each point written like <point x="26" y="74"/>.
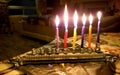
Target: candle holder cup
<point x="82" y="50"/>
<point x="97" y="49"/>
<point x="42" y="51"/>
<point x="90" y="50"/>
<point x="34" y="51"/>
<point x="73" y="50"/>
<point x="49" y="51"/>
<point x="57" y="50"/>
<point x="65" y="50"/>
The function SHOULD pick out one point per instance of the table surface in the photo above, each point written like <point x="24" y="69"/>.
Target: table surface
<point x="109" y="42"/>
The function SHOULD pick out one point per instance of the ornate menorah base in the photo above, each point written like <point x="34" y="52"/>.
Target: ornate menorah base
<point x="69" y="55"/>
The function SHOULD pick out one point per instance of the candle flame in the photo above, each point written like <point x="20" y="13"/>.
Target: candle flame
<point x="57" y="20"/>
<point x="75" y="18"/>
<point x="99" y="14"/>
<point x="84" y="19"/>
<point x="90" y="19"/>
<point x="66" y="17"/>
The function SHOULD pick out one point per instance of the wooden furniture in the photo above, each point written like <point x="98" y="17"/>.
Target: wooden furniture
<point x="4" y="20"/>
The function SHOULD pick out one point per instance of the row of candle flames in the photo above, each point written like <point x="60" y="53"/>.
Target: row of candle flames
<point x="75" y="20"/>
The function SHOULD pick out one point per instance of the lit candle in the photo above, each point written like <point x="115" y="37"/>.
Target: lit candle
<point x="83" y="30"/>
<point x="75" y="18"/>
<point x="66" y="26"/>
<point x="99" y="14"/>
<point x="90" y="31"/>
<point x="57" y="21"/>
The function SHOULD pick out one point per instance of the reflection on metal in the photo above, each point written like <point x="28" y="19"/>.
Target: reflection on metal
<point x="52" y="55"/>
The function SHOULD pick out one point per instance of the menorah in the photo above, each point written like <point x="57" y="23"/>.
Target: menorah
<point x="68" y="52"/>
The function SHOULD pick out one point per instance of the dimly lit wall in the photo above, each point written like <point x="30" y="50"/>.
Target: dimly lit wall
<point x="117" y="2"/>
<point x="44" y="31"/>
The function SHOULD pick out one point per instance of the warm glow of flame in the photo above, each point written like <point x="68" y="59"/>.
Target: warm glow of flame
<point x="90" y="19"/>
<point x="57" y="20"/>
<point x="66" y="17"/>
<point x="99" y="14"/>
<point x="75" y="18"/>
<point x="84" y="19"/>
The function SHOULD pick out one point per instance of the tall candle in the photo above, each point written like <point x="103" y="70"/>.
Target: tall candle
<point x="57" y="31"/>
<point x="75" y="18"/>
<point x="83" y="30"/>
<point x="66" y="26"/>
<point x="99" y="14"/>
<point x="90" y="31"/>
